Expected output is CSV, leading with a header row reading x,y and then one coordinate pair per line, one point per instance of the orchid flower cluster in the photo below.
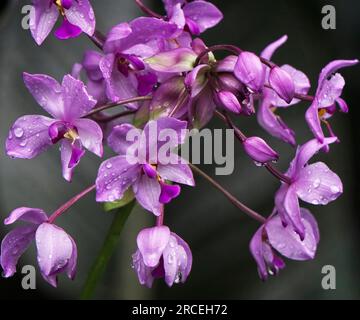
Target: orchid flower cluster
x,y
162,74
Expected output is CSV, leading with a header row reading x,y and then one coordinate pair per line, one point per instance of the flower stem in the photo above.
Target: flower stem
x,y
98,39
251,213
106,251
242,137
70,203
160,219
147,10
115,104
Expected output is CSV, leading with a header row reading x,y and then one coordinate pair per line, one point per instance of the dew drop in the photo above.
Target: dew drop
x,y
18,132
317,183
171,258
23,143
315,202
335,189
109,165
178,277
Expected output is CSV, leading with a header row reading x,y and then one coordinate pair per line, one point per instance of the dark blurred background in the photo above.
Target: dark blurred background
x,y
217,233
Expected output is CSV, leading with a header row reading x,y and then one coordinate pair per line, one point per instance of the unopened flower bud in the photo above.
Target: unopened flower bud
x,y
259,150
229,101
250,71
282,83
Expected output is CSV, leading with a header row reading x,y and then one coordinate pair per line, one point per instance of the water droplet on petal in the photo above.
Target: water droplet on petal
x,y
109,165
315,202
335,189
18,132
317,183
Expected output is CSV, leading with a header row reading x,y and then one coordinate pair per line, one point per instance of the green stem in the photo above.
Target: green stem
x,y
106,251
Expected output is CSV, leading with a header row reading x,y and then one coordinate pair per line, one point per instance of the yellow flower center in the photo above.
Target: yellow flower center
x,y
60,7
72,135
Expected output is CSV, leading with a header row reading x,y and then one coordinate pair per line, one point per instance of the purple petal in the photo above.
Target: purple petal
x,y
67,30
32,215
227,65
150,171
151,243
185,269
147,192
91,61
330,91
196,80
115,176
179,173
117,138
143,272
67,157
143,29
155,132
166,97
47,93
72,264
174,61
28,137
317,184
301,82
204,14
168,192
334,66
250,71
77,101
81,14
202,108
256,249
42,20
66,3
342,105
313,120
282,83
174,257
91,135
177,17
269,51
287,241
118,86
229,101
273,124
115,35
258,150
146,83
54,251
13,246
292,209
308,150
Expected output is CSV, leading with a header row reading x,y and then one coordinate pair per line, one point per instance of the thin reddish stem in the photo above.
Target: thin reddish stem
x,y
70,203
147,10
251,213
115,104
98,39
242,137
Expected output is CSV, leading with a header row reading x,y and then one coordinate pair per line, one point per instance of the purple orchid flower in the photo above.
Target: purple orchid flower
x,y
315,184
271,100
273,238
197,16
161,254
67,103
95,84
145,172
126,45
78,16
328,94
56,250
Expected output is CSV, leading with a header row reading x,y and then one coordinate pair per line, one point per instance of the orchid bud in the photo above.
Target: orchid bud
x,y
229,101
282,83
177,60
259,150
250,71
